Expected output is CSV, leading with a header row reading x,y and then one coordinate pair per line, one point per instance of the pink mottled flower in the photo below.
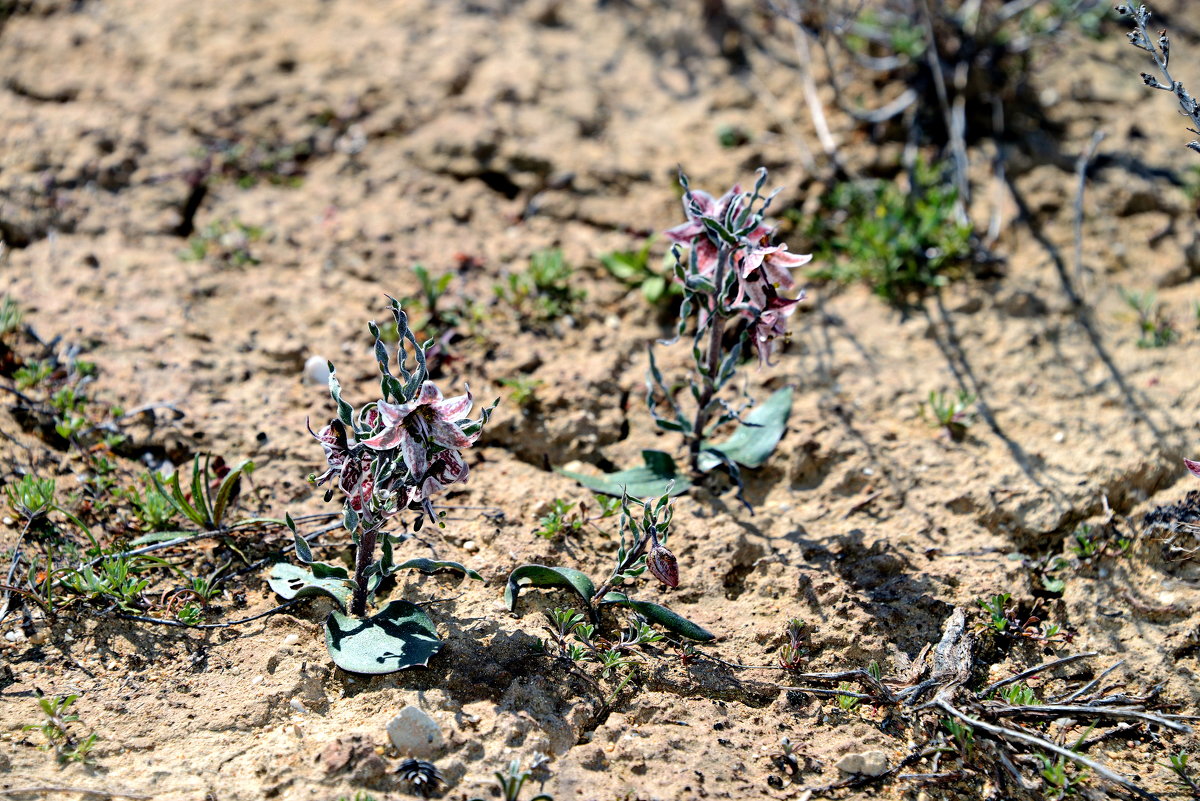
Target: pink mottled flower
x,y
698,205
413,426
776,264
771,321
445,468
1194,467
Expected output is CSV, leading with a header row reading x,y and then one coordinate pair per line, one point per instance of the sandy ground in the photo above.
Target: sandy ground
x,y
464,136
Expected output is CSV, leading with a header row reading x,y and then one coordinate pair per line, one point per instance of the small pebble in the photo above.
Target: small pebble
x,y
868,763
416,734
299,706
471,545
257,680
290,640
12,636
316,370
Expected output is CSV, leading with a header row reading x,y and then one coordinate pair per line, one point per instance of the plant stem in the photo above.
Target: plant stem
x,y
716,333
362,560
631,557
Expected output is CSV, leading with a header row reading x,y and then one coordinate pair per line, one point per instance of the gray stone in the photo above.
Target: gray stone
x,y
868,763
416,734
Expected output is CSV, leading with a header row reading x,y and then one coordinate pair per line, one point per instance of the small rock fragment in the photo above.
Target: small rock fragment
x,y
416,734
868,763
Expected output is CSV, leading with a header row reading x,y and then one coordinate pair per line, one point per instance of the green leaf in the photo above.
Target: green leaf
x,y
400,636
651,479
662,616
429,566
175,496
303,552
200,492
226,488
750,446
345,410
542,576
290,581
159,536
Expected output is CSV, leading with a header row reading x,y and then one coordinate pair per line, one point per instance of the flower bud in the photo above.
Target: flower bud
x,y
1194,467
662,565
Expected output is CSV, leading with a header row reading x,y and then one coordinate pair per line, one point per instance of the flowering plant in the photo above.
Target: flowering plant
x,y
393,454
735,283
647,551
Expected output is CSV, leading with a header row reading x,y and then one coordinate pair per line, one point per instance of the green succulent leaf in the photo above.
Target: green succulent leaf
x,y
751,445
542,576
662,616
651,479
290,581
303,551
429,566
400,636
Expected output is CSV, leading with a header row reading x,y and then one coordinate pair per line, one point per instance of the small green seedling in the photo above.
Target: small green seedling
x,y
1155,329
846,702
1060,781
54,729
953,413
901,241
204,508
1019,694
963,734
31,374
227,242
523,390
543,292
559,520
512,782
31,497
632,268
153,509
10,314
1178,764
794,652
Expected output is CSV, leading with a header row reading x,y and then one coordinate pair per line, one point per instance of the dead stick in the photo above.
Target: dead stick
x,y
1029,739
1066,660
1094,681
1119,713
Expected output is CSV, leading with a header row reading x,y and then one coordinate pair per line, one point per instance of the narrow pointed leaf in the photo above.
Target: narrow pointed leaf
x,y
345,410
200,493
226,489
542,576
400,636
303,552
662,616
651,479
751,445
